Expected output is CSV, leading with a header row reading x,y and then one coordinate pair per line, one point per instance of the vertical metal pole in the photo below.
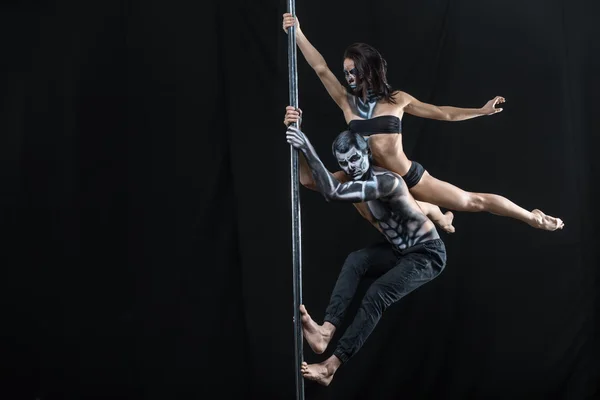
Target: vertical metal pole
x,y
296,231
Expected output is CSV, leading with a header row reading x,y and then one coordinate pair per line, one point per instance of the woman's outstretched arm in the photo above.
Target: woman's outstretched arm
x,y
447,113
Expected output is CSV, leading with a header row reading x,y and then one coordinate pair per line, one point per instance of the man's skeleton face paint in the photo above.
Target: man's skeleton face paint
x,y
350,73
354,162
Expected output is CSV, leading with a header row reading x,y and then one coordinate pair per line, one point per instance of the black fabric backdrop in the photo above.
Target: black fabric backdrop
x,y
146,213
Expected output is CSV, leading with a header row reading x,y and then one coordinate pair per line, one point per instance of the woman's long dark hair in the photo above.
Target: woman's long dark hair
x,y
371,70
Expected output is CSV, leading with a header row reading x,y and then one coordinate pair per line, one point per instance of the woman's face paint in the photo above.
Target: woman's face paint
x,y
350,73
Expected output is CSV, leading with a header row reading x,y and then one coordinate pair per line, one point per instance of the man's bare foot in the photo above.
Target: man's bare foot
x,y
546,222
321,373
317,337
445,223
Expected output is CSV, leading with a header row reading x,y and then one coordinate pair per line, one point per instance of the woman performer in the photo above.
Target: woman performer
x,y
372,109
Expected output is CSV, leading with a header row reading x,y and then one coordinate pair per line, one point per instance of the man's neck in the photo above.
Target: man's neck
x,y
367,175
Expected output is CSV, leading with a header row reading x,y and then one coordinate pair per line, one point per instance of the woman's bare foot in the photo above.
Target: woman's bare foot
x,y
321,373
316,335
433,212
546,222
445,223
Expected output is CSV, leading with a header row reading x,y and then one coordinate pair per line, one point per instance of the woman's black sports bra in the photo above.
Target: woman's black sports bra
x,y
380,124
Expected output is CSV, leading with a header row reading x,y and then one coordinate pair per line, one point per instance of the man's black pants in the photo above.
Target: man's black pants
x,y
399,273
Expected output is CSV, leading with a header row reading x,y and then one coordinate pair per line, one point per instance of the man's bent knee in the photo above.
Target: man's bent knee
x,y
356,259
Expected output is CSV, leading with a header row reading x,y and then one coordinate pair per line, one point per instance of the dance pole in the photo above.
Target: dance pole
x,y
296,237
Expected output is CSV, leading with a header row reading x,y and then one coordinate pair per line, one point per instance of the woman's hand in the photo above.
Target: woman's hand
x,y
292,115
490,106
288,21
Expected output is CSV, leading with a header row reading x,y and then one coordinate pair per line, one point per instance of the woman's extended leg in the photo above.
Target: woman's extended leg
x,y
448,196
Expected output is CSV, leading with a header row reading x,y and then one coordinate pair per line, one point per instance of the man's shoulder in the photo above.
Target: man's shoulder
x,y
381,172
387,177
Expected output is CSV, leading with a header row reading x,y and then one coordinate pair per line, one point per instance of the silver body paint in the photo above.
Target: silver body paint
x,y
400,223
388,200
354,168
361,108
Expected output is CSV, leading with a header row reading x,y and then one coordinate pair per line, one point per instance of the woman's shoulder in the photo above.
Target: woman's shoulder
x,y
398,94
400,97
